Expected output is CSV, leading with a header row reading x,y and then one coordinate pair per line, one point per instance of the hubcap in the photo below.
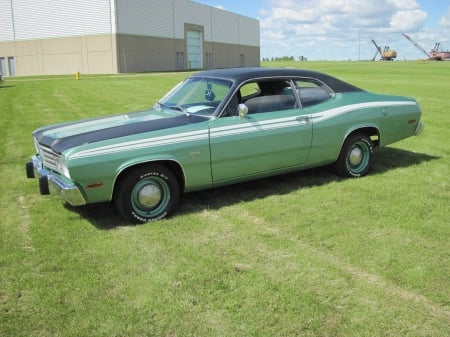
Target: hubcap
x,y
356,156
149,196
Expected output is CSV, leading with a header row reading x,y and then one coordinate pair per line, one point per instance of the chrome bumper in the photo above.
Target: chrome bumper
x,y
419,128
51,183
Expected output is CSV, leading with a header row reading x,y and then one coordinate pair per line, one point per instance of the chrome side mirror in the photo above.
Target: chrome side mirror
x,y
243,110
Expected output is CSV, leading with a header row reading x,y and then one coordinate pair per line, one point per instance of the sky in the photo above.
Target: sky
x,y
343,29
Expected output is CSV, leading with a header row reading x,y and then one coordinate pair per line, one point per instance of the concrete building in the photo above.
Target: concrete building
x,y
118,36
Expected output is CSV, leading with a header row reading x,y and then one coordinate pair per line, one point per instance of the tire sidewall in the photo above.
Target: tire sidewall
x,y
343,165
125,194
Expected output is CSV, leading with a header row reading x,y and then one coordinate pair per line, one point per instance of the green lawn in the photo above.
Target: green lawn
x,y
304,254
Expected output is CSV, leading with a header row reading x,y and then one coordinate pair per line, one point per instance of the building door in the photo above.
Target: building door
x,y
2,66
209,62
12,69
242,60
194,49
180,60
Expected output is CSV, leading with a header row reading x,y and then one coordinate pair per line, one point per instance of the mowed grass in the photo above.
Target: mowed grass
x,y
303,254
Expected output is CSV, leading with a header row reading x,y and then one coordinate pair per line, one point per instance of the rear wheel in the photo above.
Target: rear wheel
x,y
147,193
355,159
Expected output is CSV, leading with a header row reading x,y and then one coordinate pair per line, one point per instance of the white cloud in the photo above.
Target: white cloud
x,y
445,20
323,29
407,20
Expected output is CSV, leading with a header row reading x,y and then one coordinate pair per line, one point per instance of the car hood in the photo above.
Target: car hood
x,y
64,136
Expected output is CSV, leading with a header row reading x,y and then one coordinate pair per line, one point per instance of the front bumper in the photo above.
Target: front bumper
x,y
52,183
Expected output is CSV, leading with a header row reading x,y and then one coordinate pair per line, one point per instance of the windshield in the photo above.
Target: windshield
x,y
196,96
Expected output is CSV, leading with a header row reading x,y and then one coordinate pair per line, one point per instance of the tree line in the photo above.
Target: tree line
x,y
284,58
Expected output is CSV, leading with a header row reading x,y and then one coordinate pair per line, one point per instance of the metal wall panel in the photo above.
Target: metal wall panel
x,y
167,19
145,17
248,31
54,18
191,13
234,29
225,28
6,21
31,19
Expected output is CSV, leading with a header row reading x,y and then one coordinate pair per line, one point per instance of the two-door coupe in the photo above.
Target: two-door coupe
x,y
215,128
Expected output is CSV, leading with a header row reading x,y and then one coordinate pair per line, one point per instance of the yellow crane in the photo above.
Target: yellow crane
x,y
386,55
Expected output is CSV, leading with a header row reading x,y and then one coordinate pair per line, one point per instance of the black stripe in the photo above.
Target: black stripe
x,y
59,145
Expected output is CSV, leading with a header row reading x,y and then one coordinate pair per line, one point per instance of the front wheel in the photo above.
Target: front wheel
x,y
147,193
355,159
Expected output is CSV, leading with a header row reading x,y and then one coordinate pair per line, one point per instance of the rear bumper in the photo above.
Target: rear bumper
x,y
52,183
419,128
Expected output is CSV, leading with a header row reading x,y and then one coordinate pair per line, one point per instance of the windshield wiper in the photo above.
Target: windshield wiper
x,y
180,108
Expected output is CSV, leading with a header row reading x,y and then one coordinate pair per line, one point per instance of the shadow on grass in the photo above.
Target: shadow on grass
x,y
104,216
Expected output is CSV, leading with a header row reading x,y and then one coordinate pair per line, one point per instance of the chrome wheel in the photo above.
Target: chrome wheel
x,y
149,196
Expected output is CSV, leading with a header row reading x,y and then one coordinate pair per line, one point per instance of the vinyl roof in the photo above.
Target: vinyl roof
x,y
244,74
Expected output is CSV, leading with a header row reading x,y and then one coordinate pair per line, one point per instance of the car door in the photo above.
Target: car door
x,y
274,135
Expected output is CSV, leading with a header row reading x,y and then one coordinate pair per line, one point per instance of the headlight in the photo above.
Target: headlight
x,y
62,166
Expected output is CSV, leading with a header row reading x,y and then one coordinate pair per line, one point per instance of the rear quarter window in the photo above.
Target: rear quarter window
x,y
312,92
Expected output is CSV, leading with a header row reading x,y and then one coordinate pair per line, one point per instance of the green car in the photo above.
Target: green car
x,y
216,128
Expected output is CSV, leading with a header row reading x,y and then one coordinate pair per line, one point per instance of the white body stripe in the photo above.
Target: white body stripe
x,y
225,131
324,115
142,143
254,126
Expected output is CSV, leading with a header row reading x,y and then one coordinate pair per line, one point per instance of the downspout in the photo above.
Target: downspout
x,y
12,19
114,22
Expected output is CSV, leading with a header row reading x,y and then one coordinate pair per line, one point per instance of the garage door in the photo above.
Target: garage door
x,y
194,50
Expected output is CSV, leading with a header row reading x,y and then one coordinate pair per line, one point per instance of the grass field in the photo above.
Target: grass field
x,y
304,254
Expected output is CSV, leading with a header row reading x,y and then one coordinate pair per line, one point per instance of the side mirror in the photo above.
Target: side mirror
x,y
243,110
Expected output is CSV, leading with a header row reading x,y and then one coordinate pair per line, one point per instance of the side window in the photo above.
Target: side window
x,y
232,107
268,95
249,90
244,92
312,92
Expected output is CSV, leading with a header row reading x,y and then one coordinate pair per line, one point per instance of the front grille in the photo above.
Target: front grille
x,y
49,157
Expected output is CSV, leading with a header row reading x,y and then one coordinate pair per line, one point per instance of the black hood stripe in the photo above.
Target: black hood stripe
x,y
59,145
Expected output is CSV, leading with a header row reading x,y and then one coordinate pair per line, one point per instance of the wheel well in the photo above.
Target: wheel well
x,y
173,166
371,132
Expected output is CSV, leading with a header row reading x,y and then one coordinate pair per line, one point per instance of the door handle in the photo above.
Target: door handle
x,y
303,119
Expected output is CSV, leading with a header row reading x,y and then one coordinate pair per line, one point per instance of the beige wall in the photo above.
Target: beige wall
x,y
226,55
141,53
87,54
104,54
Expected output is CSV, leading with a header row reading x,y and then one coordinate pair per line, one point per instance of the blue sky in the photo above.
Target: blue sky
x,y
343,29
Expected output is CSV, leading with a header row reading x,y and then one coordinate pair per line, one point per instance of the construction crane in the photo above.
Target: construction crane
x,y
417,45
386,55
436,54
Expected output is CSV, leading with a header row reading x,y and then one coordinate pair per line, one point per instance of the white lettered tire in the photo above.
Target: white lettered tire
x,y
356,156
147,193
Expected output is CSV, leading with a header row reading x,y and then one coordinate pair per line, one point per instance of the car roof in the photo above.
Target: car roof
x,y
239,75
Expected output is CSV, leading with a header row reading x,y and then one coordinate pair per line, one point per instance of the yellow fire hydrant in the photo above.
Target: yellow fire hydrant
x,y
77,75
